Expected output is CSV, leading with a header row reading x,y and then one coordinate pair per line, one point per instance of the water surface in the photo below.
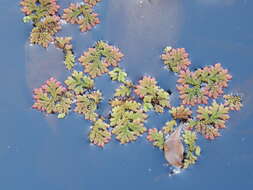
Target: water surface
x,y
40,152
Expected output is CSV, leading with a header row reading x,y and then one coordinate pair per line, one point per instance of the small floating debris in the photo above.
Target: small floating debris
x,y
174,148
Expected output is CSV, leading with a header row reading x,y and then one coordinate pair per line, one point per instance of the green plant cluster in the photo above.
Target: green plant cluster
x,y
127,119
97,59
154,97
193,151
132,100
64,43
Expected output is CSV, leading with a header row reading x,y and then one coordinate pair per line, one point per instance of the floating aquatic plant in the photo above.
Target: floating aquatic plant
x,y
195,87
192,151
87,105
100,134
169,126
156,137
69,60
52,97
82,14
123,90
92,2
153,96
79,83
127,119
181,112
118,74
43,32
37,9
64,43
210,119
97,60
189,86
216,78
175,59
233,102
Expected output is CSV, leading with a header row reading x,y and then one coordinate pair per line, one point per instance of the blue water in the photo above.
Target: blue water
x,y
40,152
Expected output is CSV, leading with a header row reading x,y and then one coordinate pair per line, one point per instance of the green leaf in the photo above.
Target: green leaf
x,y
61,115
156,137
123,91
69,60
197,150
79,83
81,14
127,120
153,96
87,105
52,97
99,134
118,74
97,59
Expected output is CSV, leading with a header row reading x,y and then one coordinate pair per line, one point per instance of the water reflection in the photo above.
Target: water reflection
x,y
152,24
217,2
41,64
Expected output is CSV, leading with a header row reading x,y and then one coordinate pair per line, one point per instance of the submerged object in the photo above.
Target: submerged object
x,y
174,149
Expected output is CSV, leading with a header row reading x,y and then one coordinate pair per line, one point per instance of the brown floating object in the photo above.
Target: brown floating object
x,y
174,149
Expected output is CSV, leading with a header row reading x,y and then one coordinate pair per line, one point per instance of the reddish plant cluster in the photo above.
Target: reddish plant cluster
x,y
195,87
97,59
181,112
81,14
44,31
189,86
216,79
176,59
52,97
210,119
37,9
